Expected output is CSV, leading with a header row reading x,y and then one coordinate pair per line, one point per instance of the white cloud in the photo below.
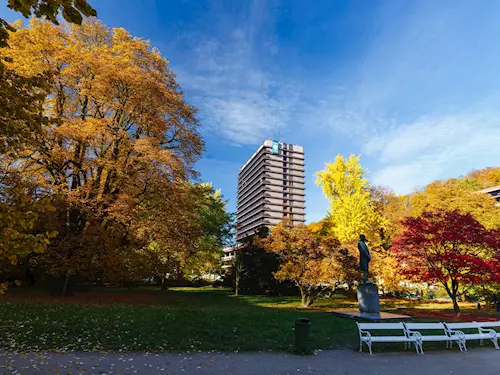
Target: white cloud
x,y
245,119
238,99
402,103
415,154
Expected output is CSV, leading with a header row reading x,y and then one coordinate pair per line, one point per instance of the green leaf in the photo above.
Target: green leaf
x,y
72,15
45,10
22,6
85,8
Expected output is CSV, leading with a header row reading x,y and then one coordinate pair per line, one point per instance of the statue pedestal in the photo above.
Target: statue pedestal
x,y
368,299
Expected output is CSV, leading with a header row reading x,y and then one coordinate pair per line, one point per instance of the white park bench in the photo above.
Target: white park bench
x,y
366,334
440,333
491,325
483,331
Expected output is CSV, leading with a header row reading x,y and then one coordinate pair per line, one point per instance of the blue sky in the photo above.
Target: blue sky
x,y
413,86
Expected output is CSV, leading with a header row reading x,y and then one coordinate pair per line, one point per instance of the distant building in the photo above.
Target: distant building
x,y
270,188
229,254
494,192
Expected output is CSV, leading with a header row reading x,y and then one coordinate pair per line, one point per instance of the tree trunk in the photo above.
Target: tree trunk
x,y
236,287
456,308
453,294
163,285
65,287
306,300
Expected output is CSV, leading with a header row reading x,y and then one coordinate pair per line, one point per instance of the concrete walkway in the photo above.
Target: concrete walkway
x,y
482,361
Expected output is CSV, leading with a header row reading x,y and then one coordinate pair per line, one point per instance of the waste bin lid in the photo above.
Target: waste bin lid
x,y
302,321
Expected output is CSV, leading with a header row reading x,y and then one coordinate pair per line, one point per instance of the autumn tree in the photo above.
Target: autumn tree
x,y
352,210
482,178
384,265
355,208
21,120
119,145
20,208
345,263
304,259
450,248
453,195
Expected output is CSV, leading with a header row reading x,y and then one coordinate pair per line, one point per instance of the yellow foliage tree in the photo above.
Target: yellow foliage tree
x,y
118,148
352,210
452,195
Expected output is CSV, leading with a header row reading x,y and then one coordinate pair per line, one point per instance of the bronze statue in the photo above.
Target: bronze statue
x,y
364,257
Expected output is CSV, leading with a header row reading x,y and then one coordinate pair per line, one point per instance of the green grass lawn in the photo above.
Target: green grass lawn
x,y
182,319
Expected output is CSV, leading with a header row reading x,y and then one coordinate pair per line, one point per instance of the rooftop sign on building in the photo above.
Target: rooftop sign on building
x,y
275,149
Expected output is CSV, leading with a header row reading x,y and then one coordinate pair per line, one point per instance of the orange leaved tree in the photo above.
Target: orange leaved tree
x,y
118,147
305,259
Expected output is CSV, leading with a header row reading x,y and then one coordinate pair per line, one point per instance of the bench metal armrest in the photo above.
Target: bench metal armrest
x,y
414,335
456,334
487,331
364,334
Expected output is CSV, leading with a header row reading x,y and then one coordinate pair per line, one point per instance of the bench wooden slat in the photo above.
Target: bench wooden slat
x,y
489,324
418,326
380,326
463,325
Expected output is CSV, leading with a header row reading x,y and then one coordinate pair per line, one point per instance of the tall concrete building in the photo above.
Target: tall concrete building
x,y
270,188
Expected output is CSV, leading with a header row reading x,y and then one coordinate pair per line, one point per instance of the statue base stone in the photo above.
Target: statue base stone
x,y
368,299
369,307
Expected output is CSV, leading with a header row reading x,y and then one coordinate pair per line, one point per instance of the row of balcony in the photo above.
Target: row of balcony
x,y
270,197
250,211
265,165
266,192
274,183
269,213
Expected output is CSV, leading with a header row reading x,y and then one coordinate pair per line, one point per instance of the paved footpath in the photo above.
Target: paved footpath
x,y
482,361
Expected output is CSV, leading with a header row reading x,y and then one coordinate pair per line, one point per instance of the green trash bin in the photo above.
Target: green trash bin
x,y
302,332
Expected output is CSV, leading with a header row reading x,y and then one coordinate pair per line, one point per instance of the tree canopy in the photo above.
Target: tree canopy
x,y
450,248
454,195
305,259
352,210
114,153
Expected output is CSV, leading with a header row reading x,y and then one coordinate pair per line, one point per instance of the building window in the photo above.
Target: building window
x,y
284,182
284,152
285,188
284,176
285,201
285,195
284,164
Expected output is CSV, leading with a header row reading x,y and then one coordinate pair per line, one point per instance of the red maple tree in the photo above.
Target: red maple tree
x,y
450,248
